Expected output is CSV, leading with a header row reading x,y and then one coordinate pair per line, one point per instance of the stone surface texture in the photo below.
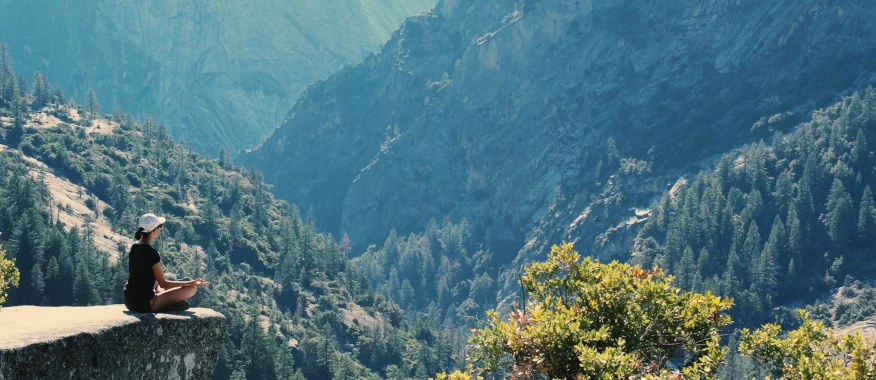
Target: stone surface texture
x,y
108,342
216,72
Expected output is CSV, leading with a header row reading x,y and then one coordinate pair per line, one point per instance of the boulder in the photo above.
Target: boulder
x,y
108,342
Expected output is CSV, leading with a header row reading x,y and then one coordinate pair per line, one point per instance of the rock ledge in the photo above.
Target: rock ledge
x,y
108,342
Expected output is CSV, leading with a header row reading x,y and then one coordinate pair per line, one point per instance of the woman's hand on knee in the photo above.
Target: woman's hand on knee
x,y
198,282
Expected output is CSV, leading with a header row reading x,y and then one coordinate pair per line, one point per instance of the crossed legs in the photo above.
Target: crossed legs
x,y
171,296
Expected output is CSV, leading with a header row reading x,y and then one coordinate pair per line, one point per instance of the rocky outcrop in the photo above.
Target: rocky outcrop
x,y
108,342
215,72
487,109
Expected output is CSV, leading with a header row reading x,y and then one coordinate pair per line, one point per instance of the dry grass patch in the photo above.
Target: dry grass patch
x,y
355,315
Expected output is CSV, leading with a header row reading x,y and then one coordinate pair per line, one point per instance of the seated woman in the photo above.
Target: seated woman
x,y
147,291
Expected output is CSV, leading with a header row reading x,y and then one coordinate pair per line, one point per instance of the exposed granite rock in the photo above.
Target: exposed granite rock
x,y
482,108
108,342
217,72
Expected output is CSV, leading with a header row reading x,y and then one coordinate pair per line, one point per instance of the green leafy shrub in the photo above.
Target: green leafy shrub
x,y
590,320
810,352
8,275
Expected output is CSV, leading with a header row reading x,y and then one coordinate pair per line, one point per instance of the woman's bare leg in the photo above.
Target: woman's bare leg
x,y
171,296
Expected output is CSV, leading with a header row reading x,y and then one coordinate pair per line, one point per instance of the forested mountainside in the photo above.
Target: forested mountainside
x,y
218,73
777,225
72,183
726,142
770,225
501,112
442,272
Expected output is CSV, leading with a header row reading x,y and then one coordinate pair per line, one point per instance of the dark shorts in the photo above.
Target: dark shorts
x,y
138,304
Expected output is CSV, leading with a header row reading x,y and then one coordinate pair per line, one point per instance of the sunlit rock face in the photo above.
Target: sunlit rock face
x,y
483,109
215,72
108,342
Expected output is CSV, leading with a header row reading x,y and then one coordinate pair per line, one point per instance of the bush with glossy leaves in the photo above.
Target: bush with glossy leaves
x,y
585,319
811,352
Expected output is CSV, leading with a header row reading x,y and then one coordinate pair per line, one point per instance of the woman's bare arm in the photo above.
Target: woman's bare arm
x,y
165,283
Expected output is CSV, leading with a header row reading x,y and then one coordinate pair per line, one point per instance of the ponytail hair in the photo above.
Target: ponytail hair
x,y
139,234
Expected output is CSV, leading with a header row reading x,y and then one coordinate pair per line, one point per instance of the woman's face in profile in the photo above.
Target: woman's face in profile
x,y
158,230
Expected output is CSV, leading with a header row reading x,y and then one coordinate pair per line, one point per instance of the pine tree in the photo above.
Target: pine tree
x,y
777,241
37,286
67,276
332,257
290,254
5,59
22,89
704,263
91,104
309,257
753,207
791,279
674,245
784,192
258,348
224,157
427,272
859,150
778,143
284,364
390,251
236,240
612,154
61,97
16,133
120,198
53,282
839,217
482,289
795,235
84,293
867,217
598,173
406,294
7,75
26,249
868,114
765,279
805,201
346,245
751,248
685,269
755,164
40,93
211,214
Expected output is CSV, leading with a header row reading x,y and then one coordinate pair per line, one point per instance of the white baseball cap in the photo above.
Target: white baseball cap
x,y
150,221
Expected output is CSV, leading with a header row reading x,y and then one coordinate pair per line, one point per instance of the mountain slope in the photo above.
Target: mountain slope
x,y
500,111
72,185
217,73
771,225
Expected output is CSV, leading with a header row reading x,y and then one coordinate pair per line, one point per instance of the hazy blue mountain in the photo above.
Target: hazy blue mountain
x,y
500,111
215,72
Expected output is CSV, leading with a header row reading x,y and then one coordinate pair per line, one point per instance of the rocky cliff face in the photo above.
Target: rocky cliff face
x,y
491,110
216,73
108,342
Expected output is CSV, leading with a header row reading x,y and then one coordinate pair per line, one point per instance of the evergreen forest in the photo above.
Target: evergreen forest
x,y
295,305
753,265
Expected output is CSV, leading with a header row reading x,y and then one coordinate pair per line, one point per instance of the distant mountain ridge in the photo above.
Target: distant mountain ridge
x,y
500,111
217,73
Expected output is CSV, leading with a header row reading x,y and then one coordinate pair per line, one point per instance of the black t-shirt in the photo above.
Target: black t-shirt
x,y
141,279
